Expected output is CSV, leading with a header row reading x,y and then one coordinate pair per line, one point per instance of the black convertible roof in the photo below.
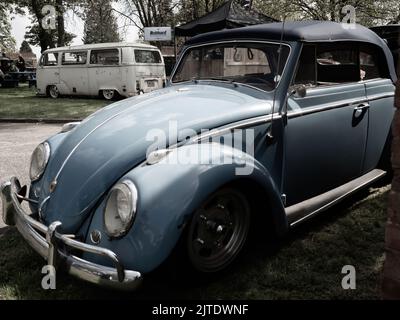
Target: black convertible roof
x,y
304,31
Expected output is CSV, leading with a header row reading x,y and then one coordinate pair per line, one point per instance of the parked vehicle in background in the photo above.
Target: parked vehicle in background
x,y
391,33
106,69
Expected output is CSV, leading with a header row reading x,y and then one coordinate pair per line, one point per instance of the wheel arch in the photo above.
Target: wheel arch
x,y
181,189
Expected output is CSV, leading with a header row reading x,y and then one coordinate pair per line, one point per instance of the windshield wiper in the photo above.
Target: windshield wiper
x,y
231,81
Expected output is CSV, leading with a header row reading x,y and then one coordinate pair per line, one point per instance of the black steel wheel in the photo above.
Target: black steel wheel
x,y
218,230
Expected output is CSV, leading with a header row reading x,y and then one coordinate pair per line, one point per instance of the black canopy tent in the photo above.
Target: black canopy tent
x,y
228,16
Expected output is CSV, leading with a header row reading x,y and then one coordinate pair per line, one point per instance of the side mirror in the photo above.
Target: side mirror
x,y
299,91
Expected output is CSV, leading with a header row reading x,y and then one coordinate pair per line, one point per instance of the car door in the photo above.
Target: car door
x,y
380,94
105,70
48,72
326,132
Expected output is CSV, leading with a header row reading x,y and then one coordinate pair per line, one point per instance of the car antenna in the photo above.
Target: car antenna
x,y
276,79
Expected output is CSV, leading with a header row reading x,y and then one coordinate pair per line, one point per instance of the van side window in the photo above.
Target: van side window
x,y
147,56
107,57
372,63
73,58
49,59
337,63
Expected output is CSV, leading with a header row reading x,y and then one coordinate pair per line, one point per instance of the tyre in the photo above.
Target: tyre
x,y
218,231
53,92
108,94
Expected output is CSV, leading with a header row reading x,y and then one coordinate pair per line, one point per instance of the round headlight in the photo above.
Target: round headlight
x,y
120,208
39,159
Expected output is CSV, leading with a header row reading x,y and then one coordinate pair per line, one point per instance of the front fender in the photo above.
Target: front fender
x,y
169,192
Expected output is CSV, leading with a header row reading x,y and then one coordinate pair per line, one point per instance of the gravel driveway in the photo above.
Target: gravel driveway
x,y
17,142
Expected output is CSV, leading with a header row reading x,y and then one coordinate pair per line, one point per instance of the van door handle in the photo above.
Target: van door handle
x,y
56,73
359,110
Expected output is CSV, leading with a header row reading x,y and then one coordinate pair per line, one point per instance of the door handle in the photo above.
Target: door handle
x,y
359,110
56,73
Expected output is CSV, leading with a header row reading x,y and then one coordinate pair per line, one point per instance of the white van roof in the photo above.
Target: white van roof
x,y
109,45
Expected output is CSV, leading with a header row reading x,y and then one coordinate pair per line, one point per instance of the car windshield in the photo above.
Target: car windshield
x,y
254,64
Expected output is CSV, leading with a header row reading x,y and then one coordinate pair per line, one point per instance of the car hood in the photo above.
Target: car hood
x,y
108,144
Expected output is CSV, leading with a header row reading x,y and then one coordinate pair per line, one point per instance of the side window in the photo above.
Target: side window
x,y
147,56
337,63
106,57
306,69
74,58
372,63
49,59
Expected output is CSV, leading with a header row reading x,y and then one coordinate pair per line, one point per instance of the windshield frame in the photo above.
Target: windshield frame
x,y
183,54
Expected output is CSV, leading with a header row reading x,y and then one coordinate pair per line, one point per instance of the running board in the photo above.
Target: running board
x,y
303,211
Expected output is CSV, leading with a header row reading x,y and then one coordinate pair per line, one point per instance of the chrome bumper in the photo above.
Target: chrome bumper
x,y
51,245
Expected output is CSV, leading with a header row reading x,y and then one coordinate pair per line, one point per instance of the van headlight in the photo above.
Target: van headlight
x,y
39,159
120,208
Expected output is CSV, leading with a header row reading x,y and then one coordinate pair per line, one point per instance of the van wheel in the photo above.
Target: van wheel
x,y
53,92
218,231
108,94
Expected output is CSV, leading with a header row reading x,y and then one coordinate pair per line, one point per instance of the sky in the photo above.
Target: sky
x,y
73,24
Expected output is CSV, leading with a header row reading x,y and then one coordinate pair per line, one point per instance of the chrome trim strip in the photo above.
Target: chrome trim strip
x,y
336,105
178,63
325,107
236,125
380,96
306,209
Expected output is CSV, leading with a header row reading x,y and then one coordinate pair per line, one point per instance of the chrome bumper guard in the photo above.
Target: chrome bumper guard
x,y
48,246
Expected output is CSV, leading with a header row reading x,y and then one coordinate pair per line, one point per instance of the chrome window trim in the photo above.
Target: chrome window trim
x,y
231,41
336,105
248,123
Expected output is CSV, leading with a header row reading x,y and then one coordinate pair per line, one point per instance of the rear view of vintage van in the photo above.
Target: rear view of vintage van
x,y
107,69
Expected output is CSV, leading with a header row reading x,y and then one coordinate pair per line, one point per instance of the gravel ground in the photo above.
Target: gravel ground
x,y
17,142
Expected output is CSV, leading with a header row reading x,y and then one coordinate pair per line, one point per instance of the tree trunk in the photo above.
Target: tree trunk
x,y
44,37
60,23
391,272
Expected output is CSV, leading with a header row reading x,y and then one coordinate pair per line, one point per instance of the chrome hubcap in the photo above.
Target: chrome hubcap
x,y
53,91
108,94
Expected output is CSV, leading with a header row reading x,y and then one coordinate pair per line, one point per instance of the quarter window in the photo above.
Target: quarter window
x,y
74,58
372,63
105,57
147,56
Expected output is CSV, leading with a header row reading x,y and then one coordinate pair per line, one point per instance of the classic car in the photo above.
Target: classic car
x,y
261,126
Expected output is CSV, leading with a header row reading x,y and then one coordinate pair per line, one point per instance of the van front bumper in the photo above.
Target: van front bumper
x,y
54,246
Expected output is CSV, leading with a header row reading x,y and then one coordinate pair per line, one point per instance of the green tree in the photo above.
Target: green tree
x,y
7,41
25,47
100,22
368,12
36,34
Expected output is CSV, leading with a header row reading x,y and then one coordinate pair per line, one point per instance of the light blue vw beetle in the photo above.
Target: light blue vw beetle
x,y
260,125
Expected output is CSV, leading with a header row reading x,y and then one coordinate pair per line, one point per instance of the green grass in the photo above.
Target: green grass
x,y
22,102
305,265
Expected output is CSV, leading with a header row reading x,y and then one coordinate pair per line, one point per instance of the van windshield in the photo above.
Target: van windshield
x,y
254,64
147,56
